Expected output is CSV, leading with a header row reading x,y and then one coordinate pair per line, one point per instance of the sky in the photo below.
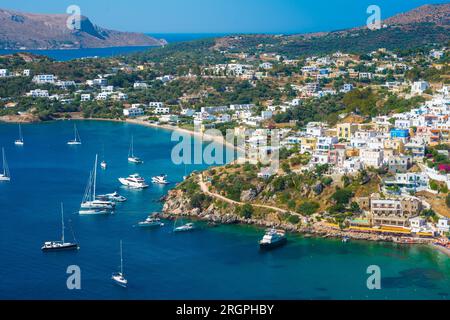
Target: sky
x,y
222,16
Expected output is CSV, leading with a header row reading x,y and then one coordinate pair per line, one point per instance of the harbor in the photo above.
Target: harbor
x,y
175,264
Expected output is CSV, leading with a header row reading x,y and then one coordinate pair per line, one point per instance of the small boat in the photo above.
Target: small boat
x,y
115,197
273,239
19,142
134,181
161,179
131,157
151,222
119,277
90,204
5,176
77,140
103,165
185,228
60,245
345,239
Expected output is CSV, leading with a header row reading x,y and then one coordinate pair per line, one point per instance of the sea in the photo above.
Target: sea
x,y
210,263
71,54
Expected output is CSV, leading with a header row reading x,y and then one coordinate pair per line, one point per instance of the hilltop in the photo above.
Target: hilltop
x,y
49,31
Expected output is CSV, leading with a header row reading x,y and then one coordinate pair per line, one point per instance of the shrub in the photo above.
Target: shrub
x,y
293,219
246,211
342,196
308,208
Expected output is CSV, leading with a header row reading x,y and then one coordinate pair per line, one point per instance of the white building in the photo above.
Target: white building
x,y
133,112
38,93
371,158
444,225
156,104
44,78
140,85
161,110
419,87
85,97
266,115
3,73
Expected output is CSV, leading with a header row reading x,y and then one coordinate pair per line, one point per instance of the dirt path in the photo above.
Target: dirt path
x,y
206,191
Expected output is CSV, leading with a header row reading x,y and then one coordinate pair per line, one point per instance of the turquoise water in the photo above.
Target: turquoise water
x,y
211,263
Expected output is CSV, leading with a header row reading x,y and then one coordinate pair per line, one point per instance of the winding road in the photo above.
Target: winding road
x,y
206,191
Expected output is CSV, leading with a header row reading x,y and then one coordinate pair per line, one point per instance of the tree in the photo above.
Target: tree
x,y
308,208
447,200
246,211
342,196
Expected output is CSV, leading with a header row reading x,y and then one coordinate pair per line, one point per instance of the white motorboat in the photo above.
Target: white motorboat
x,y
90,202
151,222
5,176
161,179
134,181
77,140
131,157
119,277
185,228
103,165
19,142
60,245
115,197
272,239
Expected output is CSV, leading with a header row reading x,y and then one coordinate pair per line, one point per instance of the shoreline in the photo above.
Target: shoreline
x,y
76,117
311,231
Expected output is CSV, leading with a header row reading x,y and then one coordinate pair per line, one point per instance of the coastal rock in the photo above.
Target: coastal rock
x,y
248,195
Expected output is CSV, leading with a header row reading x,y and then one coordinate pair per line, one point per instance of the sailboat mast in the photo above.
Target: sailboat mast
x,y
132,146
121,258
20,133
3,157
62,221
95,177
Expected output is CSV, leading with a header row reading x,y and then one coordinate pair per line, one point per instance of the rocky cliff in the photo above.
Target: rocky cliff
x,y
49,31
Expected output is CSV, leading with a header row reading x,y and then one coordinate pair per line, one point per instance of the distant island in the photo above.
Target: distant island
x,y
49,31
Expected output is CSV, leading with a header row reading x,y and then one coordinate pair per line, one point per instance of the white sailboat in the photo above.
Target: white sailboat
x,y
131,157
104,164
90,204
60,245
119,277
77,140
19,142
5,176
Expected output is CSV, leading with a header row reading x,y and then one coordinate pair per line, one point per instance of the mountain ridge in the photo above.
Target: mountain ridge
x,y
20,30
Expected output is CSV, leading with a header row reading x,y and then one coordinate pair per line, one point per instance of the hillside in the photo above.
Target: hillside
x,y
418,27
49,31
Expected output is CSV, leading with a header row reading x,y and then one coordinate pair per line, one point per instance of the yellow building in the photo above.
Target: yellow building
x,y
394,144
346,130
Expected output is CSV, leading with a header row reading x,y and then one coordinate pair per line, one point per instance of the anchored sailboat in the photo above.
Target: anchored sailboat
x,y
60,245
131,157
5,176
91,205
119,277
19,142
77,139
